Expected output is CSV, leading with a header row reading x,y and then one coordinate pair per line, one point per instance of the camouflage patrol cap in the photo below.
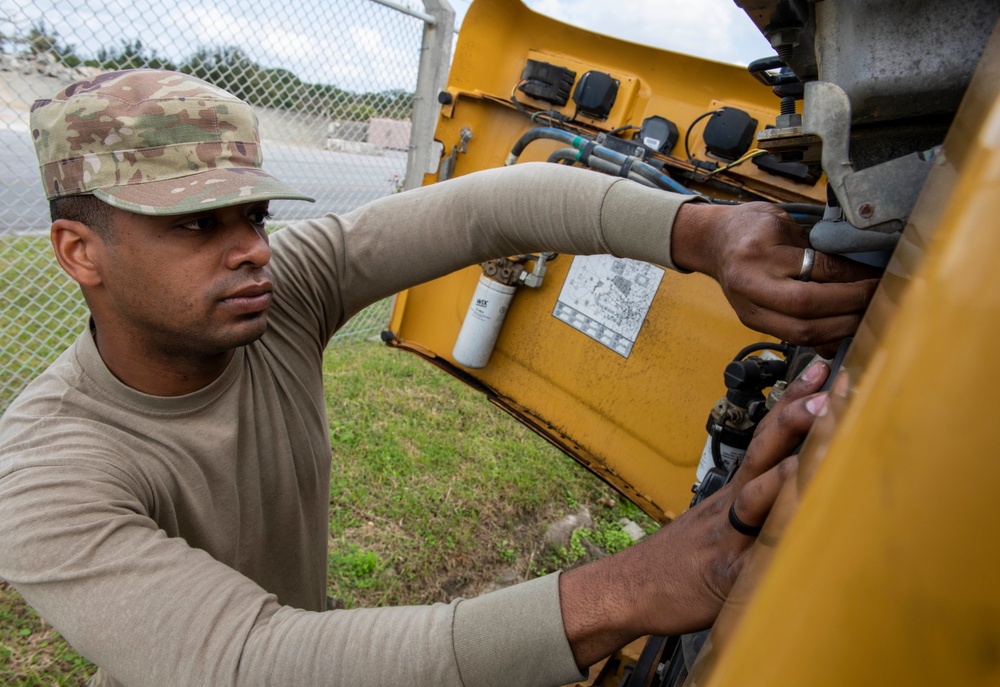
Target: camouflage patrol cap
x,y
152,142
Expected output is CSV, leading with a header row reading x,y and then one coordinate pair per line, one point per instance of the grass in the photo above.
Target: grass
x,y
41,311
31,652
435,494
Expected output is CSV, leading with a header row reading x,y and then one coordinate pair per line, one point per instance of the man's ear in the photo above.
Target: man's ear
x,y
79,250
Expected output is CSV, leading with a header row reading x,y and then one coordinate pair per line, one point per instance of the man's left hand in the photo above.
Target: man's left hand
x,y
755,251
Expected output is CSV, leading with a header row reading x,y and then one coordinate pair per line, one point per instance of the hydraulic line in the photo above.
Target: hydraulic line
x,y
599,164
571,154
574,140
803,208
642,169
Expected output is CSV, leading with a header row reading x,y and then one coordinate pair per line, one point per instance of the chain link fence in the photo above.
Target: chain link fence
x,y
333,83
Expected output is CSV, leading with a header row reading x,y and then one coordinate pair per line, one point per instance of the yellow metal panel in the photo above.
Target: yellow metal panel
x,y
638,422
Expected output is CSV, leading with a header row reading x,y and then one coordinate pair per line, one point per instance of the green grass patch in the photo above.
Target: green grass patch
x,y
445,490
31,652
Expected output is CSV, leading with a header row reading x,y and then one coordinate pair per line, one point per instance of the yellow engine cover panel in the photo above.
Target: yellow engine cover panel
x,y
638,421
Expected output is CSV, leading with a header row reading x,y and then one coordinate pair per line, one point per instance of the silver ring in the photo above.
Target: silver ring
x,y
808,260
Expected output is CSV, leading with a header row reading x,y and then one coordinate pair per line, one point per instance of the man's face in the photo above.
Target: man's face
x,y
187,285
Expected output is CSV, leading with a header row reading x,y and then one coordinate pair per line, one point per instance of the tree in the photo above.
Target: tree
x,y
41,40
131,55
231,68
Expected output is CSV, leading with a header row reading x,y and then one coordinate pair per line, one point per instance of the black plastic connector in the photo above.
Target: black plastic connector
x,y
595,94
729,133
797,171
658,134
753,374
548,82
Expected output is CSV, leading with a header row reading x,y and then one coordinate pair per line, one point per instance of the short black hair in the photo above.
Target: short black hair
x,y
86,209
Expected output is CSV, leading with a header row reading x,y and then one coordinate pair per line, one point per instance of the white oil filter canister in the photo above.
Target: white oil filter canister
x,y
481,326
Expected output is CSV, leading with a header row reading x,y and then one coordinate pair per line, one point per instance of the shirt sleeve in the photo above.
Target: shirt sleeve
x,y
339,265
151,610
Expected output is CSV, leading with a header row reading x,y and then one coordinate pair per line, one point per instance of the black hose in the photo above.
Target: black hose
x,y
717,447
645,170
803,208
640,171
564,154
753,348
687,134
608,167
542,132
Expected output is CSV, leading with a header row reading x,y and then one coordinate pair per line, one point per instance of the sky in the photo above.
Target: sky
x,y
360,45
714,29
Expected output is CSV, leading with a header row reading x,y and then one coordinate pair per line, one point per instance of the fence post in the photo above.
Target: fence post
x,y
432,76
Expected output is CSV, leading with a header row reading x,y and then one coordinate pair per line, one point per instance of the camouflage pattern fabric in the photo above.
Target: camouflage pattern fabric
x,y
152,142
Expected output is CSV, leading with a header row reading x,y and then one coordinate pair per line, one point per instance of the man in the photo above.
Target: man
x,y
164,485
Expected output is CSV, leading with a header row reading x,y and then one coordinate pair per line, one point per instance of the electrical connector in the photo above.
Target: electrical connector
x,y
548,82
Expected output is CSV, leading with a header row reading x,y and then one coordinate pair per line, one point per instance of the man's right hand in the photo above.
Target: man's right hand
x,y
676,580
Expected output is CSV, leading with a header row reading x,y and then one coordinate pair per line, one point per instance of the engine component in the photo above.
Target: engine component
x,y
620,145
447,168
797,171
595,94
481,326
879,197
588,150
735,416
488,308
729,133
548,82
658,134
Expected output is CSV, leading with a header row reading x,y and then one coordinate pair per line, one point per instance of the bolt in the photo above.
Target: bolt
x,y
866,210
787,36
788,105
786,121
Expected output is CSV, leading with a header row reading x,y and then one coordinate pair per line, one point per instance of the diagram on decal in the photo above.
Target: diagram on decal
x,y
607,298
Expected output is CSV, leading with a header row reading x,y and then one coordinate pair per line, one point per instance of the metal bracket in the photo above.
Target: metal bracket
x,y
535,277
448,164
878,198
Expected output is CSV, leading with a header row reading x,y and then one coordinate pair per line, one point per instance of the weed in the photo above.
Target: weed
x,y
508,554
355,567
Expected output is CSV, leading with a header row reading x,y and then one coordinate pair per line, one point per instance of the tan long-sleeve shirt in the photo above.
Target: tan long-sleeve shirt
x,y
183,540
